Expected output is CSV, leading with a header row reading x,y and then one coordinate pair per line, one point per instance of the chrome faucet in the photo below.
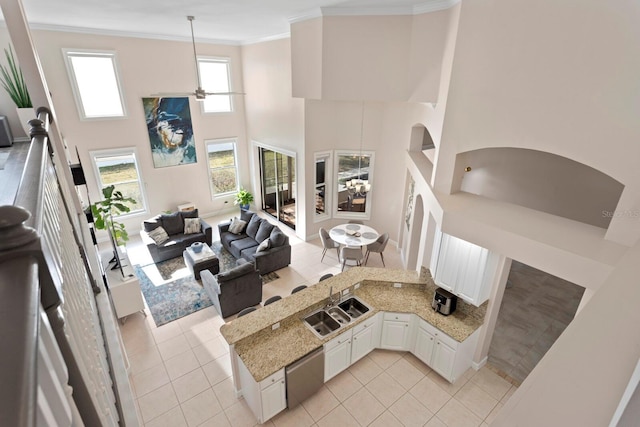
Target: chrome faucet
x,y
331,300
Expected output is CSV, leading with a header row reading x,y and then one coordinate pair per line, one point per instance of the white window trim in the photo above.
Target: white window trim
x,y
366,215
66,53
328,185
227,61
234,141
124,151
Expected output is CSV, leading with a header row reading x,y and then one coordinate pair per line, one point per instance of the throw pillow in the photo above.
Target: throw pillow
x,y
237,225
159,235
263,231
252,227
277,238
151,224
189,214
246,216
263,246
172,223
192,225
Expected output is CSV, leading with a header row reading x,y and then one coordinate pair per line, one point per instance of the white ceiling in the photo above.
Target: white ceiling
x,y
227,21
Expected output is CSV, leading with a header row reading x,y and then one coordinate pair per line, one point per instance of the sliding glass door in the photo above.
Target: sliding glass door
x,y
277,178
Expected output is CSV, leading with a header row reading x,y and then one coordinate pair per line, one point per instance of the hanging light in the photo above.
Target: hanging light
x,y
359,186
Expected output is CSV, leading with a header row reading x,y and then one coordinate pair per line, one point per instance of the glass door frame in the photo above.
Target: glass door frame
x,y
278,203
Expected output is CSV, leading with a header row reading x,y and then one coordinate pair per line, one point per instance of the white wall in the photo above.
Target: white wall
x,y
556,77
274,117
146,67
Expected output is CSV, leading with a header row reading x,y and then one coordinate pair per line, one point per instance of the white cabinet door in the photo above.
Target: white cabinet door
x,y
394,335
471,280
424,346
362,343
443,359
274,399
337,356
448,263
461,269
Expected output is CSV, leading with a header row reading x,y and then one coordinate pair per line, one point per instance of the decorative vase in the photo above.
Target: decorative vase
x,y
24,115
244,207
196,247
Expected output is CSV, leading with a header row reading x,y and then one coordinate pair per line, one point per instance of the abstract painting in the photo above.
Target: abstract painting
x,y
170,131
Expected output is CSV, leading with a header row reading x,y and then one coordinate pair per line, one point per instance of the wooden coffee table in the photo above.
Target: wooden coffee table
x,y
206,259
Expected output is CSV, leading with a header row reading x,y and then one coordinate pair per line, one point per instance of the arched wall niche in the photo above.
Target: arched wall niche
x,y
542,181
421,140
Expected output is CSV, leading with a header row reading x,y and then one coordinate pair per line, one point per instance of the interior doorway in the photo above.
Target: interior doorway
x,y
536,308
278,185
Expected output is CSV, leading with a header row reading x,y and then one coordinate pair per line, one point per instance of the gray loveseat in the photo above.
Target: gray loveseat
x,y
173,224
244,244
233,290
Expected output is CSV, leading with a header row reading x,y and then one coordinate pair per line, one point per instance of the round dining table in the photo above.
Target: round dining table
x,y
353,234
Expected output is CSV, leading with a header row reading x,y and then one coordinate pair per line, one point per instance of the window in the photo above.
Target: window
x,y
354,172
223,166
323,186
120,168
95,83
214,77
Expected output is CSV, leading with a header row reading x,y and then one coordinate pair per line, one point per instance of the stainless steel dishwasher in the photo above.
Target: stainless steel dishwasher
x,y
304,377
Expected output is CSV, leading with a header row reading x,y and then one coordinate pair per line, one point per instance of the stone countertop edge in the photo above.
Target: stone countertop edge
x,y
265,351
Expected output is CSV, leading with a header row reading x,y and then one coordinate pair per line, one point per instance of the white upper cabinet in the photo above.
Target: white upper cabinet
x,y
463,268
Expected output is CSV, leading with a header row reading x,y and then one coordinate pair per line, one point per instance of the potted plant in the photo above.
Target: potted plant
x,y
114,203
244,199
13,82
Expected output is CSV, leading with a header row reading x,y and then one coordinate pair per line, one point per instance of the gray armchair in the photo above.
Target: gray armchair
x,y
233,290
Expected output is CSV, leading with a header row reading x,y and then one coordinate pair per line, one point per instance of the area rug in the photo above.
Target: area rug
x,y
170,290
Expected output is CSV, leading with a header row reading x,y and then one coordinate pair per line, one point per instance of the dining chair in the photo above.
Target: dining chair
x,y
351,253
328,243
246,311
298,289
325,277
377,246
272,300
355,221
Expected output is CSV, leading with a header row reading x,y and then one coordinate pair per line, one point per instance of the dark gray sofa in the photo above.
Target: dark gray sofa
x,y
245,243
178,241
233,290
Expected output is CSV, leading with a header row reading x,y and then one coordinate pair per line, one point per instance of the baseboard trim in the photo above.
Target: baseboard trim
x,y
477,366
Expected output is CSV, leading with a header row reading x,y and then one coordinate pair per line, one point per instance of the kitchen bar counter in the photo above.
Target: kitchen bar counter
x,y
265,351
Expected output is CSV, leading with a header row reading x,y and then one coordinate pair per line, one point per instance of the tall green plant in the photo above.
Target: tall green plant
x,y
114,203
13,81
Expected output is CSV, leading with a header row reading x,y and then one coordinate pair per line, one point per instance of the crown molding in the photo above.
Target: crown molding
x,y
434,6
266,39
429,6
117,33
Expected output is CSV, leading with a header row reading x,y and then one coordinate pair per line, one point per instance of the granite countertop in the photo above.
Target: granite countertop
x,y
265,351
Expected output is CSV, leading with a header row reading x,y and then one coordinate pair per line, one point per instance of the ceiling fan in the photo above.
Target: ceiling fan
x,y
199,93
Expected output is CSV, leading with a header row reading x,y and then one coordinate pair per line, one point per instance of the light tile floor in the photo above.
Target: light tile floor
x,y
181,375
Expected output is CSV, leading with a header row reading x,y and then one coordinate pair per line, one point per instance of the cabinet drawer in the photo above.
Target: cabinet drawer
x,y
272,379
369,323
340,339
400,317
437,333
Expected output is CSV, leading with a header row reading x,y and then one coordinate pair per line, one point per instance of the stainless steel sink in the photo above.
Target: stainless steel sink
x,y
337,313
321,323
354,307
330,318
